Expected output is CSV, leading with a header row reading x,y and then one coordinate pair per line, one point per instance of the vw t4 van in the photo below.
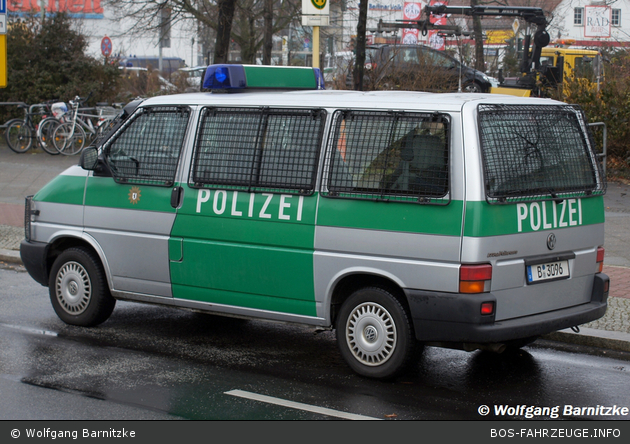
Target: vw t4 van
x,y
398,219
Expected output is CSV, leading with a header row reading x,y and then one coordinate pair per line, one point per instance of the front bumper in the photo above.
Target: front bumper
x,y
448,317
33,256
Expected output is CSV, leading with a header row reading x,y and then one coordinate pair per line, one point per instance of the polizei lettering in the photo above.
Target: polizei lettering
x,y
547,215
251,205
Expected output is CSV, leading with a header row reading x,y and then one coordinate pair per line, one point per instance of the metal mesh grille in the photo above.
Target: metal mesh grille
x,y
147,149
536,152
258,149
389,156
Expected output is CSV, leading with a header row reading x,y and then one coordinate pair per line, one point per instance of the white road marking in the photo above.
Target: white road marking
x,y
299,406
30,330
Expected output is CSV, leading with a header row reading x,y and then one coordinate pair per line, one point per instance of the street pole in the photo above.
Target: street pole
x,y
315,46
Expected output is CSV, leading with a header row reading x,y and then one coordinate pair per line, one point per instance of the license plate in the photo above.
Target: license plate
x,y
547,272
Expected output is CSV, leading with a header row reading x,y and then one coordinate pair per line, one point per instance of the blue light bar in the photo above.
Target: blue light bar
x,y
225,77
238,77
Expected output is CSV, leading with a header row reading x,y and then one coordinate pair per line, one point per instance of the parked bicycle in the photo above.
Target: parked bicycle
x,y
20,133
70,137
46,126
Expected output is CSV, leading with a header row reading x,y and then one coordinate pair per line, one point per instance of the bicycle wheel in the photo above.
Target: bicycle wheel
x,y
45,133
67,141
19,136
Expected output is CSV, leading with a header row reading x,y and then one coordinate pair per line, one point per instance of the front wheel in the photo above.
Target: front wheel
x,y
78,288
375,334
18,135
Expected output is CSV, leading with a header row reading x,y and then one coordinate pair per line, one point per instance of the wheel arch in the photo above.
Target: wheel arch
x,y
352,280
63,241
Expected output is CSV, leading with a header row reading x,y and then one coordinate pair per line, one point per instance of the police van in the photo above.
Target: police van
x,y
398,219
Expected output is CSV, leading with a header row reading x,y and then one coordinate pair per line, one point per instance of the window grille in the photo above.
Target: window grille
x,y
616,17
537,153
258,149
147,149
389,156
578,16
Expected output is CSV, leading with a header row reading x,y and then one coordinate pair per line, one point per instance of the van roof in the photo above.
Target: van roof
x,y
341,99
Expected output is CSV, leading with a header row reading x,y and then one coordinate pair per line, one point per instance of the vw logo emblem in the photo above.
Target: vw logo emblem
x,y
551,241
370,333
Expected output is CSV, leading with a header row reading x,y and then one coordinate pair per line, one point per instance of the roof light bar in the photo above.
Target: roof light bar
x,y
225,77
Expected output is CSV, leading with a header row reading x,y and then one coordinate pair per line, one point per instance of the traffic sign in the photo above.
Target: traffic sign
x,y
106,46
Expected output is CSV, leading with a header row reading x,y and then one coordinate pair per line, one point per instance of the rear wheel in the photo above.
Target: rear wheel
x,y
69,138
18,135
375,334
45,133
78,288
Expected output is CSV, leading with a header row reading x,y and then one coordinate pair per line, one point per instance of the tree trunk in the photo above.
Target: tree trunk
x,y
224,30
268,34
480,63
359,64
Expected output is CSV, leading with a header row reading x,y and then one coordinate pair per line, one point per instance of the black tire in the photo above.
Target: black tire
x,y
45,133
78,288
375,334
18,135
472,87
68,138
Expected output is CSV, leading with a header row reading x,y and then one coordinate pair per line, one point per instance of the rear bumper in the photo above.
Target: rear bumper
x,y
448,317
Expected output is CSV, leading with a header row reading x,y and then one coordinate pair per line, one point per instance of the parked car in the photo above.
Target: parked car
x,y
419,67
193,77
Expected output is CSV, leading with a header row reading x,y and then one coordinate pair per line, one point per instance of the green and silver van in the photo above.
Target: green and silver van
x,y
398,219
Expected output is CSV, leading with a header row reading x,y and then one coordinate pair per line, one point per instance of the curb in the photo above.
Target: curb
x,y
10,256
592,337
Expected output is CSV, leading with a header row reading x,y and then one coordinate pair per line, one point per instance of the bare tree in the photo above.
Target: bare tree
x,y
231,19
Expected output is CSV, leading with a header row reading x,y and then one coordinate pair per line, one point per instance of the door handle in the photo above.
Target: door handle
x,y
176,196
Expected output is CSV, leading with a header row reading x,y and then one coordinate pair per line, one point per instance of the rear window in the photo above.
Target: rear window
x,y
537,153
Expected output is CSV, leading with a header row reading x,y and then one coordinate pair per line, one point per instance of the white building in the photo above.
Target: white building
x,y
96,19
592,23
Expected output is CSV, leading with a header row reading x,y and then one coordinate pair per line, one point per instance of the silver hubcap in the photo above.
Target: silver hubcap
x,y
73,288
371,334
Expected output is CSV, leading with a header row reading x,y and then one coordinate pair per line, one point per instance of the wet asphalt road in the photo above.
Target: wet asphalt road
x,y
150,362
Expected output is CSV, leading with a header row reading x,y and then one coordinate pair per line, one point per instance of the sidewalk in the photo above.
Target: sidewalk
x,y
23,174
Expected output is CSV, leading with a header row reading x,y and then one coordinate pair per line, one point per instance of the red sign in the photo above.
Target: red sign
x,y
69,6
411,11
106,46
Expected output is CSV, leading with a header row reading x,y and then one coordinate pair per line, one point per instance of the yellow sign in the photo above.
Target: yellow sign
x,y
3,60
319,4
498,36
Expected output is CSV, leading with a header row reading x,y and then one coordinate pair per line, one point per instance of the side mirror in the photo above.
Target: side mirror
x,y
89,158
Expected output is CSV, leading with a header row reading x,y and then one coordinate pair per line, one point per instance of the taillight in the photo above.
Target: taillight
x,y
475,278
487,308
600,259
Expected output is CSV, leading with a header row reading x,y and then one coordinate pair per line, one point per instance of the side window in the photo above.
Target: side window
x,y
147,148
389,156
258,149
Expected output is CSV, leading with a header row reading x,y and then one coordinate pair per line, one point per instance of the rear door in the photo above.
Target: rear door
x,y
536,210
